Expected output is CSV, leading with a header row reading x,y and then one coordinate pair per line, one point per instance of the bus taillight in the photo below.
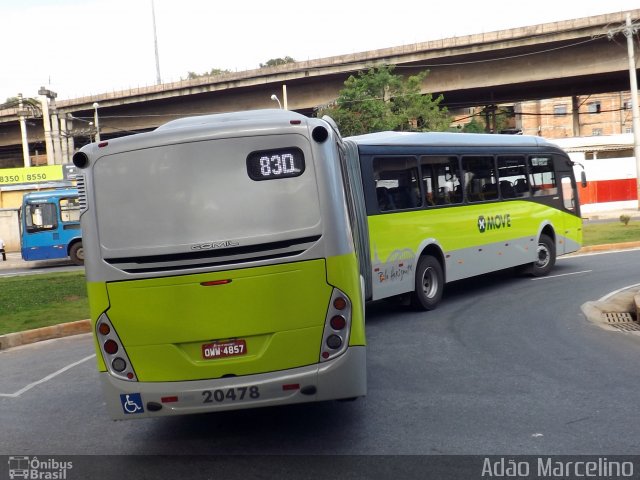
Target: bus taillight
x,y
340,303
338,322
335,338
113,352
111,347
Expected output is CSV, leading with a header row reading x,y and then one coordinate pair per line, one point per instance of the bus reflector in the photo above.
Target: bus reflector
x,y
103,144
169,399
291,386
215,282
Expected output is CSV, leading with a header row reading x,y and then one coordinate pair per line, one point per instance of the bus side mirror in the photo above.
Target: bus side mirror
x,y
583,179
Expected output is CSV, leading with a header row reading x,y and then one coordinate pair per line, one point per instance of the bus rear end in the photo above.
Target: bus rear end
x,y
220,265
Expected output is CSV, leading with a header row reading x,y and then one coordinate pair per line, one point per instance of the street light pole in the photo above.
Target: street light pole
x,y
275,98
45,96
23,131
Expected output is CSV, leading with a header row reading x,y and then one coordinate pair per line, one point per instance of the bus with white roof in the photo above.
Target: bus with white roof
x,y
229,257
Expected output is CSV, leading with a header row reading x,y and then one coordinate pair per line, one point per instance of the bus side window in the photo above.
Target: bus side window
x,y
385,202
480,179
568,194
397,186
512,171
70,209
542,176
441,180
41,217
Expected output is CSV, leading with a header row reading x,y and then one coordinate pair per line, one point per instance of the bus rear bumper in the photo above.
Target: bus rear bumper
x,y
343,377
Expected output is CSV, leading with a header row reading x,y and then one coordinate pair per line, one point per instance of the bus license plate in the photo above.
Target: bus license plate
x,y
231,348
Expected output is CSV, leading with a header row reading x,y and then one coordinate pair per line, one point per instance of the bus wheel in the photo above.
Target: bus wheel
x,y
77,253
429,284
546,257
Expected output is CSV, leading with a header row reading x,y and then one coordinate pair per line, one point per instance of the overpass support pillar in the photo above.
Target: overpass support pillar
x,y
575,114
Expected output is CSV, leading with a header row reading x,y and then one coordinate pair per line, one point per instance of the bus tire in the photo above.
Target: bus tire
x,y
429,284
76,253
545,257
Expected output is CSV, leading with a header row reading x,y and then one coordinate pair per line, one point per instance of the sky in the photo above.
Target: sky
x,y
89,47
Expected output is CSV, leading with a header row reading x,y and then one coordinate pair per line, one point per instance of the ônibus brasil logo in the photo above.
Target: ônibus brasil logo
x,y
494,222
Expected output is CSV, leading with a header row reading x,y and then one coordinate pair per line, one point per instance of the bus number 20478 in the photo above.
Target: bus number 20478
x,y
230,394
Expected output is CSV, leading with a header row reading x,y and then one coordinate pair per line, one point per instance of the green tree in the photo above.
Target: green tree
x,y
277,61
378,100
474,126
479,123
211,73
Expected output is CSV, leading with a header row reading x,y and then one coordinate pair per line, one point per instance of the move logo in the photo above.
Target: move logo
x,y
494,222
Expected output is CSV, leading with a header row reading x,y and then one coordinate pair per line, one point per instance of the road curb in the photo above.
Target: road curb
x,y
10,340
625,301
608,247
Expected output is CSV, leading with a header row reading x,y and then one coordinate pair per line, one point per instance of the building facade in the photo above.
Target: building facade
x,y
578,116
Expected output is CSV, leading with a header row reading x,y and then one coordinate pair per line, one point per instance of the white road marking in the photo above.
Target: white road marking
x,y
562,275
47,378
608,295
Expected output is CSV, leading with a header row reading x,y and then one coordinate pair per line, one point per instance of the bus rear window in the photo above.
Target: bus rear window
x,y
174,196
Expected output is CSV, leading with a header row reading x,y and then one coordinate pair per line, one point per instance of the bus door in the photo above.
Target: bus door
x,y
568,192
40,238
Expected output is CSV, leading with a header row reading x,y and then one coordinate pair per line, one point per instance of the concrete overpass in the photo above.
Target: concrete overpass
x,y
574,57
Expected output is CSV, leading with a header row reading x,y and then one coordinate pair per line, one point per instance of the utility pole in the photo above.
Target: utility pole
x,y
629,29
628,32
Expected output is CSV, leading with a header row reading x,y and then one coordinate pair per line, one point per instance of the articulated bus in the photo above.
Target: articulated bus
x,y
50,226
229,257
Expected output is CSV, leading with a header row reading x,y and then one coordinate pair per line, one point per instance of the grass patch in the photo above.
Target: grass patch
x,y
610,232
32,301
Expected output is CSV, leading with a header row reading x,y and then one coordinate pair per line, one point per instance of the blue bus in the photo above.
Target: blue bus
x,y
50,226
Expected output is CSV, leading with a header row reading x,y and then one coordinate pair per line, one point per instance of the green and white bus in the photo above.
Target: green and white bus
x,y
221,267
229,257
442,207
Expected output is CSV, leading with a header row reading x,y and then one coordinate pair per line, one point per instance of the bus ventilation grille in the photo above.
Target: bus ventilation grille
x,y
82,192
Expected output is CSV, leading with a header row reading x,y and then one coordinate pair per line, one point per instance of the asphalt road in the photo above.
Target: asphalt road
x,y
506,365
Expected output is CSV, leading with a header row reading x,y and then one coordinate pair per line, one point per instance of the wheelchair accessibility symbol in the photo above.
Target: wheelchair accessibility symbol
x,y
131,403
